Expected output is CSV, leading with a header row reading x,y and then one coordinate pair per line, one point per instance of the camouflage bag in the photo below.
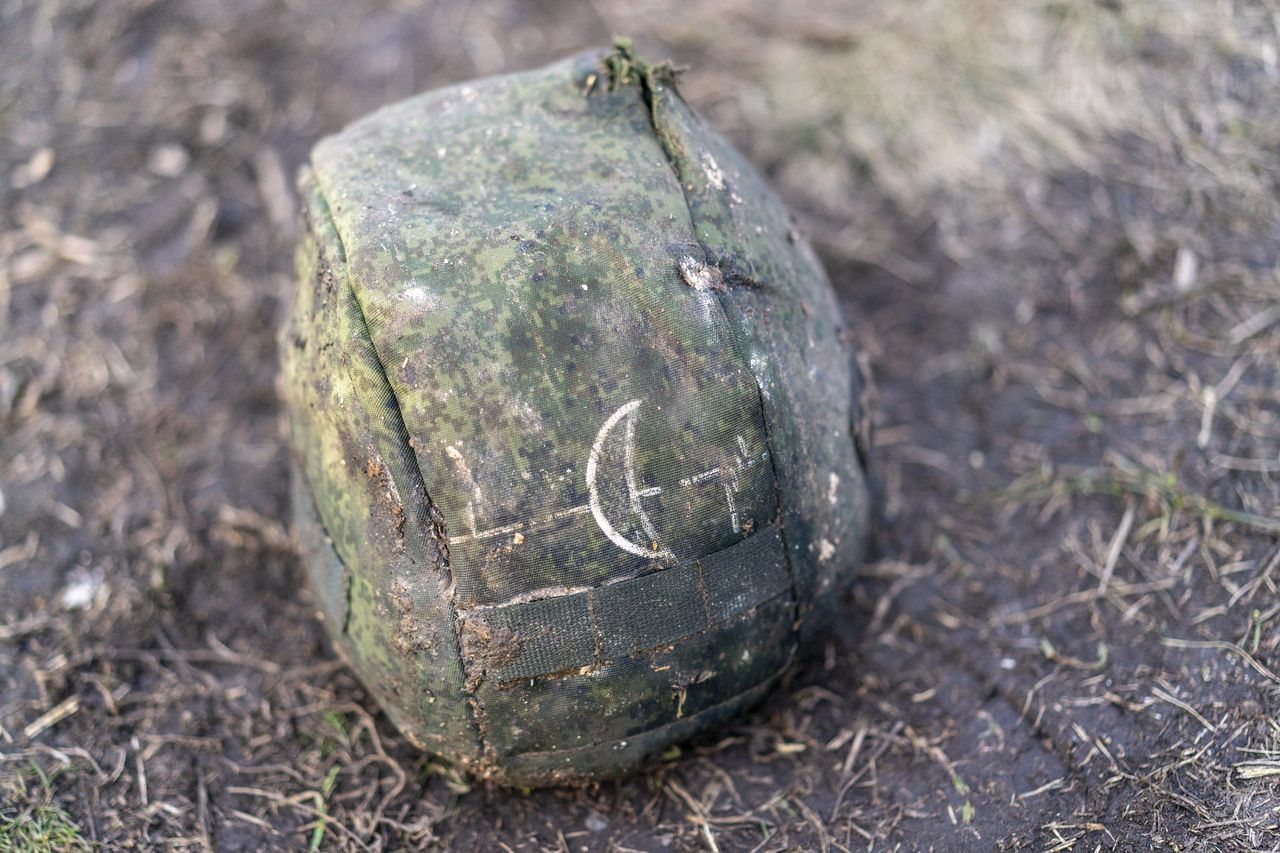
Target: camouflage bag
x,y
577,461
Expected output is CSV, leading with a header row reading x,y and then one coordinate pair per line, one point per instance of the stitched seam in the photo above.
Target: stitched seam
x,y
649,98
313,512
475,711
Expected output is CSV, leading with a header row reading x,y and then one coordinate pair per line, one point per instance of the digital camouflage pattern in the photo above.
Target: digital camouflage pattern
x,y
575,418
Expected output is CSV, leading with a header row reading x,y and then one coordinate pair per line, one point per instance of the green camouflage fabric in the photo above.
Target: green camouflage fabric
x,y
578,464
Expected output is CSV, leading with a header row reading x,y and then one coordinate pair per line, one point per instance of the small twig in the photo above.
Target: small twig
x,y
53,716
1117,544
1255,324
1167,696
885,742
698,813
292,802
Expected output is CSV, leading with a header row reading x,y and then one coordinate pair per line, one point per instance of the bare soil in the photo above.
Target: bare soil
x,y
1066,637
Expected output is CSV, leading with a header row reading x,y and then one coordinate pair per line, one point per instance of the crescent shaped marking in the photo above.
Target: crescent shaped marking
x,y
627,410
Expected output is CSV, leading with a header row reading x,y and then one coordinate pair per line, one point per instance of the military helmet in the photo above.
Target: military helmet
x,y
575,420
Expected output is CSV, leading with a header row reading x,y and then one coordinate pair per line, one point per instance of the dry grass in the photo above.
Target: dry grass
x,y
944,94
1056,229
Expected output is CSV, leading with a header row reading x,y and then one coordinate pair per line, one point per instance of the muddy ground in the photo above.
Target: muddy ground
x,y
1067,635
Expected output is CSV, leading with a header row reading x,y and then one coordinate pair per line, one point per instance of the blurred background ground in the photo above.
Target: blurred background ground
x,y
1055,227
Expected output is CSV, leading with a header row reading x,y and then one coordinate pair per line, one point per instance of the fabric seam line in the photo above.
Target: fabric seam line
x,y
474,706
649,99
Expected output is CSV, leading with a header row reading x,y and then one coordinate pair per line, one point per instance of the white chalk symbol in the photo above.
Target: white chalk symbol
x,y
654,548
727,477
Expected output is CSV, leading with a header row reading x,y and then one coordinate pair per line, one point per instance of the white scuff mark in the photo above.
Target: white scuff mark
x,y
833,489
696,479
712,170
465,470
760,370
742,445
520,526
419,295
712,312
826,550
530,417
733,509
